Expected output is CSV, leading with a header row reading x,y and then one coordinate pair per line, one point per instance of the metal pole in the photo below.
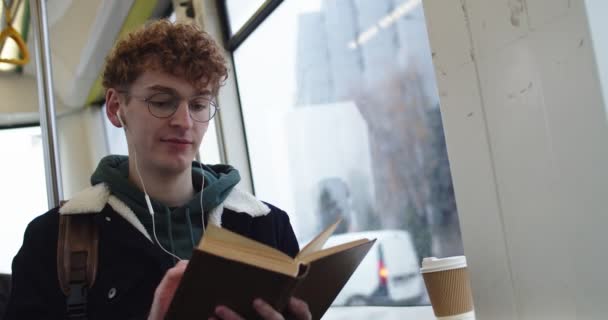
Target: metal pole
x,y
44,79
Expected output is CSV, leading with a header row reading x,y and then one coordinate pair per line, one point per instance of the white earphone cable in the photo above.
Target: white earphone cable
x,y
201,197
149,202
151,209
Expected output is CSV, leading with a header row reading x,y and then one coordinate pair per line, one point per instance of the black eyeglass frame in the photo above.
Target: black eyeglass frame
x,y
214,109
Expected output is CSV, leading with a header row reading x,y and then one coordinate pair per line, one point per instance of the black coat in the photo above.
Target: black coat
x,y
130,266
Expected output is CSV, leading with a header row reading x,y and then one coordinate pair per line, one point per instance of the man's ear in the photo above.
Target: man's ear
x,y
113,104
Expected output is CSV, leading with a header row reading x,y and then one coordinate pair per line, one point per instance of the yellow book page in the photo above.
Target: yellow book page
x,y
250,258
329,251
246,250
319,241
230,239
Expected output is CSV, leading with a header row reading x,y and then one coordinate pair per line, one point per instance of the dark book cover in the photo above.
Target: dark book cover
x,y
211,280
327,276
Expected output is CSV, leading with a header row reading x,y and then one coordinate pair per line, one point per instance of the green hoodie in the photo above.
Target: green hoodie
x,y
178,229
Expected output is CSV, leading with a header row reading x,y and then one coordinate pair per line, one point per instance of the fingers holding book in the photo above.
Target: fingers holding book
x,y
225,313
298,309
247,269
166,290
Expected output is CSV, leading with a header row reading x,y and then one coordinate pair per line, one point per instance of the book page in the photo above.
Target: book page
x,y
319,241
232,246
329,251
250,258
226,238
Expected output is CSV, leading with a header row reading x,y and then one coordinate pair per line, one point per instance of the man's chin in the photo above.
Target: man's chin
x,y
175,164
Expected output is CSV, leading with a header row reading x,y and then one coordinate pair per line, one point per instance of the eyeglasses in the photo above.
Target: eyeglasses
x,y
164,105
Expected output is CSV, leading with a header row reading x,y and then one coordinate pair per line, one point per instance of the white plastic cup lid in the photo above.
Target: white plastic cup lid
x,y
433,264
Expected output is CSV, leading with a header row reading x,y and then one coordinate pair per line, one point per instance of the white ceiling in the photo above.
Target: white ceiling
x,y
81,33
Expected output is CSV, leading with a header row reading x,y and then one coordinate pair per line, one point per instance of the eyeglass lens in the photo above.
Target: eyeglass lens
x,y
163,105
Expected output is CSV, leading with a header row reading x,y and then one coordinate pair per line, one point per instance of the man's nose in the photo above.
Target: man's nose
x,y
181,117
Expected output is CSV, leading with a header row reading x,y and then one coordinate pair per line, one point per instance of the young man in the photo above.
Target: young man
x,y
149,208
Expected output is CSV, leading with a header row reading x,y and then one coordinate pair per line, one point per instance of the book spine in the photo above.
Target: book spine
x,y
287,292
291,287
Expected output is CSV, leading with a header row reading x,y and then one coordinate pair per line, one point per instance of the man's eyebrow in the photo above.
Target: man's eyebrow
x,y
204,92
166,89
162,89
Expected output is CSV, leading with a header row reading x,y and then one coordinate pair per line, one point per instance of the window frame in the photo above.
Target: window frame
x,y
232,40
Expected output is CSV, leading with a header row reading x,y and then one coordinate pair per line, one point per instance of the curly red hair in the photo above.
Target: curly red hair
x,y
182,50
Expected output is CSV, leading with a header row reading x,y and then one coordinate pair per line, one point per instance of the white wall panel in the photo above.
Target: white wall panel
x,y
534,195
470,159
449,34
526,177
495,23
580,133
539,12
474,183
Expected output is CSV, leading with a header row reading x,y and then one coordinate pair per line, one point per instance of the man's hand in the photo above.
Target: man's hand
x,y
166,290
297,308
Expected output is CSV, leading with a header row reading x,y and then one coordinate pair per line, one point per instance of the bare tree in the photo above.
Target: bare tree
x,y
411,171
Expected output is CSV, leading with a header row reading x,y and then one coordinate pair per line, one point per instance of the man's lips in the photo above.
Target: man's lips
x,y
177,140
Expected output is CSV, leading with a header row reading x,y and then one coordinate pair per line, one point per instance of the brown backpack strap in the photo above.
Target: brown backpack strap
x,y
77,244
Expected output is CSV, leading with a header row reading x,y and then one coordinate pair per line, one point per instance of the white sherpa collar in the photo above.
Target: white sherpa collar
x,y
93,199
89,200
238,201
241,201
123,210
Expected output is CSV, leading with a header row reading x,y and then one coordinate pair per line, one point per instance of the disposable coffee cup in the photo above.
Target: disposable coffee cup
x,y
447,283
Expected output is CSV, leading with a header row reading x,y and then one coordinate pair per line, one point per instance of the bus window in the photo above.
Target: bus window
x,y
342,119
23,188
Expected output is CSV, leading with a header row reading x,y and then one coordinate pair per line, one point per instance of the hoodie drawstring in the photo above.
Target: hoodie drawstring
x,y
169,229
190,226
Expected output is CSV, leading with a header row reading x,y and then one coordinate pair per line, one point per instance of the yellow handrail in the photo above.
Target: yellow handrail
x,y
10,32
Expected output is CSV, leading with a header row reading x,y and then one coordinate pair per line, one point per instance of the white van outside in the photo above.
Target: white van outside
x,y
389,274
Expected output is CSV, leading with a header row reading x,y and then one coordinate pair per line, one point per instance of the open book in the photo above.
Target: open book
x,y
232,270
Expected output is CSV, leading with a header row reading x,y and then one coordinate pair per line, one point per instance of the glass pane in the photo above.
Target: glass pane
x,y
117,142
210,148
342,119
23,187
239,11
